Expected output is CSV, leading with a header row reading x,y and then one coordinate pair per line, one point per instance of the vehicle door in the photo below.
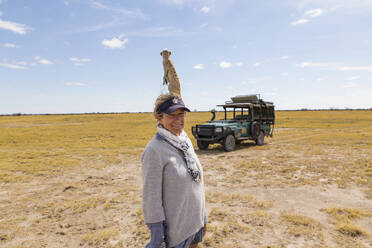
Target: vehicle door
x,y
244,123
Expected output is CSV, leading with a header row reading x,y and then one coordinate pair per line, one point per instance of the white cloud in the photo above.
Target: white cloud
x,y
24,63
1,13
12,66
10,45
257,64
110,24
80,60
122,11
249,81
350,85
76,84
226,64
301,21
43,61
355,68
115,42
203,25
205,9
314,13
176,2
334,66
118,15
353,78
21,63
17,28
198,67
284,57
314,64
350,6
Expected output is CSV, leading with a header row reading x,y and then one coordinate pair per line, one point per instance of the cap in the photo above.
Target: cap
x,y
171,105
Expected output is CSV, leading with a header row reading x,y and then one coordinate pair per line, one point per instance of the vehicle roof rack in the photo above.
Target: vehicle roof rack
x,y
242,101
246,98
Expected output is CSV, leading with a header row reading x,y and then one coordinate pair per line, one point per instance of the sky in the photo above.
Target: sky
x,y
79,56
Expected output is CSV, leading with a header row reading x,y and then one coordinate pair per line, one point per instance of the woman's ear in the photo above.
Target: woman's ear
x,y
159,118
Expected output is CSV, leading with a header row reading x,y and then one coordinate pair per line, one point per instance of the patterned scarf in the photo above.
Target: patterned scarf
x,y
183,143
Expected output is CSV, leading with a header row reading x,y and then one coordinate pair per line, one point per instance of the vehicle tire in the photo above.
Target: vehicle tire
x,y
228,143
260,139
203,145
255,129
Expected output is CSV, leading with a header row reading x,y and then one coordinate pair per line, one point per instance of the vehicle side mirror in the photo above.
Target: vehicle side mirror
x,y
213,112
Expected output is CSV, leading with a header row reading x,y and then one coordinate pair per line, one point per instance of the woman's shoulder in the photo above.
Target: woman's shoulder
x,y
155,149
154,144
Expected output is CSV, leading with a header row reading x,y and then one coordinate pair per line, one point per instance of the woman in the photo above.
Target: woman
x,y
173,184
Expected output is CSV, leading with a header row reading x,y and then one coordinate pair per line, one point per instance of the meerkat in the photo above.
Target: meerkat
x,y
170,77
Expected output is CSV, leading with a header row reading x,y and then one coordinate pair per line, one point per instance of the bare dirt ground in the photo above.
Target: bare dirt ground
x,y
278,195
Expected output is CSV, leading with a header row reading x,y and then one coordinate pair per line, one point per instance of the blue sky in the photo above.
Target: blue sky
x,y
73,56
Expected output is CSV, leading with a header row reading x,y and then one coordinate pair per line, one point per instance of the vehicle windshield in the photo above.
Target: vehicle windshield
x,y
237,114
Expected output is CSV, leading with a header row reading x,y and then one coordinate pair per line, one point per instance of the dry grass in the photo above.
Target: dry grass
x,y
343,219
351,230
100,237
48,145
299,225
74,181
347,213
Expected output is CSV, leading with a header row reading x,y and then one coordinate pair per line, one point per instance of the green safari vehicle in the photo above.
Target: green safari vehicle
x,y
253,119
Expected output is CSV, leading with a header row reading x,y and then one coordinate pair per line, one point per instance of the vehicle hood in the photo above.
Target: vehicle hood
x,y
220,123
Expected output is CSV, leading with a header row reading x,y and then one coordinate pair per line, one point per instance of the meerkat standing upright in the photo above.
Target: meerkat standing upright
x,y
170,77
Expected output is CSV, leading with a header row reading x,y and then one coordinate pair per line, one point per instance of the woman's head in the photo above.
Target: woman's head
x,y
170,112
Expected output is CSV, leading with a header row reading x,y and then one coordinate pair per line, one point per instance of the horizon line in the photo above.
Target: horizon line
x,y
146,112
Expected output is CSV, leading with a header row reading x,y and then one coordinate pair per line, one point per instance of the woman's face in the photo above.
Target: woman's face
x,y
174,122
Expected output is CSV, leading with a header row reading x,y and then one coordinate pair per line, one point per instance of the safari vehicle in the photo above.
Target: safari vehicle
x,y
253,119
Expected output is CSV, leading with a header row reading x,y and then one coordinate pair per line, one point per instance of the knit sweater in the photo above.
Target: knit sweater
x,y
169,193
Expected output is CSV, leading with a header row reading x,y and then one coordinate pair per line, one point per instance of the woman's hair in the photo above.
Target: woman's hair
x,y
162,98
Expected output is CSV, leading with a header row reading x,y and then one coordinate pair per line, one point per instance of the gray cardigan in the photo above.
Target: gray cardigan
x,y
169,193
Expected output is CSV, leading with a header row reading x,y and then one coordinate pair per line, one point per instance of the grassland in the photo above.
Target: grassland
x,y
74,181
